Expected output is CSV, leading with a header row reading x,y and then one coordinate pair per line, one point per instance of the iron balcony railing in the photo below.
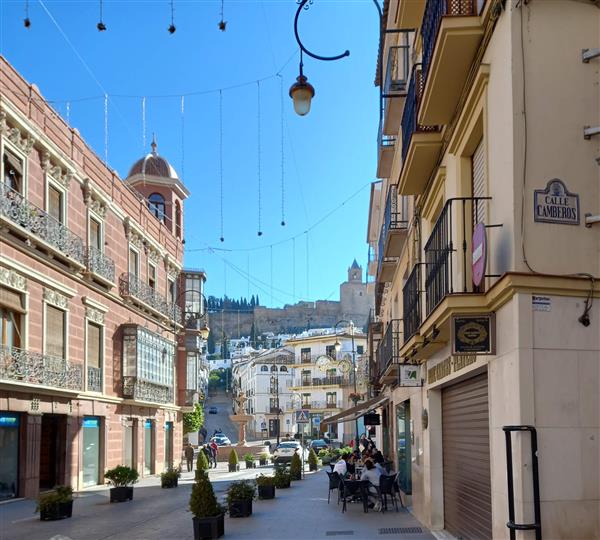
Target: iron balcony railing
x,y
411,302
389,346
275,410
397,70
20,366
445,249
18,210
394,219
94,379
131,286
432,18
411,111
141,390
281,359
322,381
100,264
383,140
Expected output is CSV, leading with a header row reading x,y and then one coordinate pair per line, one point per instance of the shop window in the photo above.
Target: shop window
x,y
149,447
13,171
9,450
91,451
55,332
11,313
156,205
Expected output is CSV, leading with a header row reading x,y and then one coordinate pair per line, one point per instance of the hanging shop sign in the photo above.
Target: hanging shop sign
x,y
556,204
372,419
479,254
474,334
409,375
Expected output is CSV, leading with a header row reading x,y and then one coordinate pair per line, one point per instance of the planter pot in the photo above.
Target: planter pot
x,y
121,494
262,462
284,485
266,492
240,509
56,511
312,467
209,528
296,476
249,464
170,484
233,468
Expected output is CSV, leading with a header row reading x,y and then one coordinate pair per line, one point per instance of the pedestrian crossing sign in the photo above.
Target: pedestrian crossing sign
x,y
302,417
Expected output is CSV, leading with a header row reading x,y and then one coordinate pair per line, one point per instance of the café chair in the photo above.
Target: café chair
x,y
334,483
387,487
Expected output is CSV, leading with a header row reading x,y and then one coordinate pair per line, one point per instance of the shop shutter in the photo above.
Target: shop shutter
x,y
55,332
94,334
466,458
478,164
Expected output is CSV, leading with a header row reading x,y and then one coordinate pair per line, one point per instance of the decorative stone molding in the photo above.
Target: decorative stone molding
x,y
94,315
22,142
98,207
55,298
11,279
153,255
172,269
92,200
59,174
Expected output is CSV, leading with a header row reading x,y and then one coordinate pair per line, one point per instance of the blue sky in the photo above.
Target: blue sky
x,y
328,155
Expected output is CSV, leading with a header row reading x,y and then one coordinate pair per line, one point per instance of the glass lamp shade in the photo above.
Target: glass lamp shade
x,y
337,346
302,93
204,331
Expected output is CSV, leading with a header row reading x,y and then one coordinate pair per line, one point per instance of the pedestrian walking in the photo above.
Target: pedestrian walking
x,y
208,453
203,433
215,451
189,457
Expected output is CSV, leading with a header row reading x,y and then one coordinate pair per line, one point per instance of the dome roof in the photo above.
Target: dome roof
x,y
153,165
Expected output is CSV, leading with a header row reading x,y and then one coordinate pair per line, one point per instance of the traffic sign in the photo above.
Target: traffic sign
x,y
302,417
316,420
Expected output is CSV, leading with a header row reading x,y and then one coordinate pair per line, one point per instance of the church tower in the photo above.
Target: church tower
x,y
355,273
355,300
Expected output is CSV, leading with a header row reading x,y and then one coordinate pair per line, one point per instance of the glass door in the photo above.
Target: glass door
x,y
148,447
9,452
91,451
403,446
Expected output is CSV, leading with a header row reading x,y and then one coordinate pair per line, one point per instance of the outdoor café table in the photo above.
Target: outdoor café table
x,y
354,489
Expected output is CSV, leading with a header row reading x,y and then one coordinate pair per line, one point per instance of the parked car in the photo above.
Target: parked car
x,y
221,440
285,450
318,444
213,410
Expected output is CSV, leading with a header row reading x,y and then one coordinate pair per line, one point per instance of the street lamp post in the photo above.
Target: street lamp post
x,y
338,347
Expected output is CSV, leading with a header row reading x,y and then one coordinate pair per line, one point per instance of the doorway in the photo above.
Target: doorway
x,y
168,445
129,438
9,450
148,447
52,450
91,451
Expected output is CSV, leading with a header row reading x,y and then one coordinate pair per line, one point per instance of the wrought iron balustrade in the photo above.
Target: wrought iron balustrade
x,y
339,380
389,347
446,250
18,210
100,264
432,18
141,390
131,286
274,410
18,365
94,379
397,70
411,302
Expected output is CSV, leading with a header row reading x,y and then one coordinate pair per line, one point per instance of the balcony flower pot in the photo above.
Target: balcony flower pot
x,y
209,527
208,513
121,478
282,479
239,498
240,509
266,492
57,504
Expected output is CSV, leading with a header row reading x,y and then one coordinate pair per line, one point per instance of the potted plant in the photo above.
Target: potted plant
x,y
239,498
296,467
234,461
263,458
249,459
170,478
266,486
325,456
56,504
208,514
201,463
282,478
313,462
121,478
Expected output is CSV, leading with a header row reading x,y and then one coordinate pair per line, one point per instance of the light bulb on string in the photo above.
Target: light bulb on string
x,y
172,28
101,26
27,20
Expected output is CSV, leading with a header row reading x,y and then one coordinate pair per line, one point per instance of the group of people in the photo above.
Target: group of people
x,y
372,461
211,451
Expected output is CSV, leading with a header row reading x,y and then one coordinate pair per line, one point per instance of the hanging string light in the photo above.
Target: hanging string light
x,y
183,137
258,160
27,20
282,154
221,157
222,22
106,130
143,124
172,25
101,26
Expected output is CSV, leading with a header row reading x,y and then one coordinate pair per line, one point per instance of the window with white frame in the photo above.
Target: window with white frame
x,y
55,337
151,275
134,262
12,314
55,203
94,355
96,233
12,171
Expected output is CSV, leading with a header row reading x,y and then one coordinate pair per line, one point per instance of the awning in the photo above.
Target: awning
x,y
353,413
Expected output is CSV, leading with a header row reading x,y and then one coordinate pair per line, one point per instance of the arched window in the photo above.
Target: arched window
x,y
156,205
177,219
264,368
283,368
273,368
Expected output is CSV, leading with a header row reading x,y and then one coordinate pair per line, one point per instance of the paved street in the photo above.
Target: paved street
x,y
297,513
220,420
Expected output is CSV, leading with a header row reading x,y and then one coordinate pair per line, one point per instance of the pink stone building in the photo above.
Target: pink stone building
x,y
91,375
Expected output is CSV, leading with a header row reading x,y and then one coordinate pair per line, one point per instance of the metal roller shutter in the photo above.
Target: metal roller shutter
x,y
478,164
466,456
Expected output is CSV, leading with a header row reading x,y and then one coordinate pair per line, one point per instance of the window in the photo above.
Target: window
x,y
360,349
134,262
330,373
13,171
55,332
94,357
273,403
55,204
273,368
305,355
306,377
156,205
95,234
11,311
171,290
330,351
331,399
151,276
192,371
177,219
306,400
264,368
283,368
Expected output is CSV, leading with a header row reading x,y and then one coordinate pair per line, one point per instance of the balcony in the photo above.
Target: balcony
x,y
411,303
275,410
451,33
189,398
410,13
31,368
447,251
395,223
100,265
141,390
338,380
395,87
386,145
38,228
388,352
146,297
94,379
373,262
380,289
284,360
421,143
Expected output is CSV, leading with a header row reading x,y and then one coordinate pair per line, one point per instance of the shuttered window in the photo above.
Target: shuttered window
x,y
95,234
133,262
55,203
55,332
478,186
94,345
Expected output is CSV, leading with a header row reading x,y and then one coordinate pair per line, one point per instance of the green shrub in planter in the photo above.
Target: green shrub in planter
x,y
313,462
208,513
122,479
201,463
296,467
239,498
234,461
56,504
282,478
249,459
170,478
263,458
266,486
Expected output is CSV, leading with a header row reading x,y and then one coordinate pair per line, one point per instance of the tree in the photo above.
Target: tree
x,y
211,343
193,421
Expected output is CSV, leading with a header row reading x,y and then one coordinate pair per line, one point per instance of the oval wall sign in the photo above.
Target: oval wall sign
x,y
479,254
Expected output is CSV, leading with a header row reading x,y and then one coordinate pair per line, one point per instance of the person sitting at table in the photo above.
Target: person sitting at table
x,y
379,460
341,466
372,474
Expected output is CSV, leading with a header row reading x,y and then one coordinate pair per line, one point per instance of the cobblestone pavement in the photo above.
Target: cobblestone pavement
x,y
162,514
